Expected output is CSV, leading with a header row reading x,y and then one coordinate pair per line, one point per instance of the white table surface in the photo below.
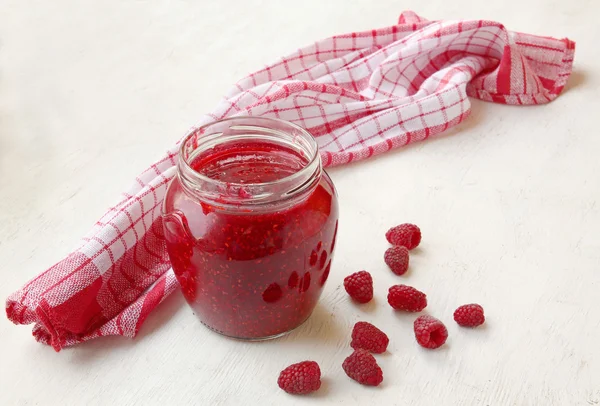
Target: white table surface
x,y
92,91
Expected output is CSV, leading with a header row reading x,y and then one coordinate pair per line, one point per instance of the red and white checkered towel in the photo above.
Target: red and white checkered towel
x,y
359,94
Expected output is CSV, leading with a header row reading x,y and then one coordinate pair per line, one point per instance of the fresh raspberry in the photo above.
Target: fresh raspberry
x,y
362,367
407,235
368,337
469,315
359,286
407,298
396,258
430,332
303,377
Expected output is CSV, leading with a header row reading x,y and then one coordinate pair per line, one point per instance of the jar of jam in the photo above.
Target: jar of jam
x,y
250,222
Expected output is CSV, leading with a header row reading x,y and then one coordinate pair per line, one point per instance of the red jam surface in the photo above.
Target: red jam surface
x,y
251,271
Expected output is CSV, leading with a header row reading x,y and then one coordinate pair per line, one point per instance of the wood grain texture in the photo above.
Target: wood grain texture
x,y
91,92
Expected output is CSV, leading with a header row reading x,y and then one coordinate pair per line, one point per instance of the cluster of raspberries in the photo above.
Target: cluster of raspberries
x,y
361,365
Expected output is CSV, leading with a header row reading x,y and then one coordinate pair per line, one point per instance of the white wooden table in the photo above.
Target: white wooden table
x,y
92,91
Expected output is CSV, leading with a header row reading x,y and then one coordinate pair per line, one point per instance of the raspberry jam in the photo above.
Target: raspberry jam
x,y
250,223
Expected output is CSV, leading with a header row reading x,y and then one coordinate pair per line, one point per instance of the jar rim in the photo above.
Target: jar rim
x,y
295,181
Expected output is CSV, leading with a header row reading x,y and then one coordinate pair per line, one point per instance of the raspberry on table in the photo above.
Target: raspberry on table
x,y
469,315
368,337
301,378
359,286
430,332
407,298
407,235
396,258
362,367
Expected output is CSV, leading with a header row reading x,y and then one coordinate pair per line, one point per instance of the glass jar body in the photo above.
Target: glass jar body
x,y
252,271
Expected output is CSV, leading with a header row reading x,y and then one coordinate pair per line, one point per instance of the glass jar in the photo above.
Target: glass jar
x,y
250,223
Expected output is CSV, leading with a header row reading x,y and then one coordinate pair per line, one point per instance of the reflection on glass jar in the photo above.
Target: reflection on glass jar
x,y
248,220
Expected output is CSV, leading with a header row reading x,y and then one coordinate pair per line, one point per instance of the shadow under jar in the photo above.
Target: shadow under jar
x,y
250,223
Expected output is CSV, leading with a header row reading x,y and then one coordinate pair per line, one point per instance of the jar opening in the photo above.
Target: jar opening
x,y
249,160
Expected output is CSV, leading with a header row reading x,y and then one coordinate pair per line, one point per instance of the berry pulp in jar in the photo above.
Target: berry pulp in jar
x,y
251,270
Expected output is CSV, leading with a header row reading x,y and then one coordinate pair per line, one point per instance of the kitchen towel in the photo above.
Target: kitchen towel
x,y
360,94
